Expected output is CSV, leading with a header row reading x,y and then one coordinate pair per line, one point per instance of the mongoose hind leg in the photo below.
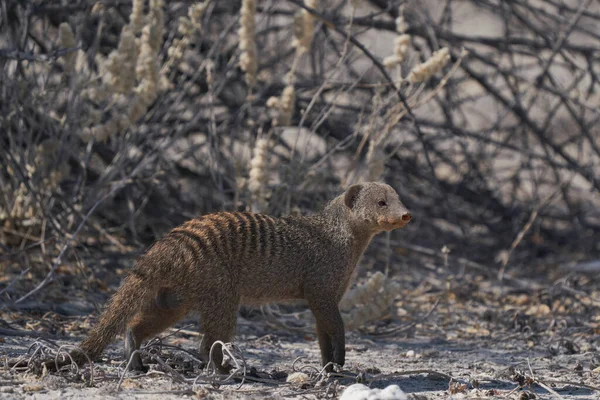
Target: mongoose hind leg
x,y
155,318
218,320
130,347
330,332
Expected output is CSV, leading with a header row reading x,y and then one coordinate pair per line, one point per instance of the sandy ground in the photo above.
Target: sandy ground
x,y
418,360
450,333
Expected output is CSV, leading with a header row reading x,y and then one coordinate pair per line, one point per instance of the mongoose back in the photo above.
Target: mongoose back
x,y
214,263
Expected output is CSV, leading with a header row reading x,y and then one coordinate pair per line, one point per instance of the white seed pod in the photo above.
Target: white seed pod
x,y
121,63
128,58
136,18
362,293
369,302
258,175
436,62
67,41
175,52
401,24
391,61
147,70
302,43
286,106
273,102
401,46
247,45
185,26
156,24
195,13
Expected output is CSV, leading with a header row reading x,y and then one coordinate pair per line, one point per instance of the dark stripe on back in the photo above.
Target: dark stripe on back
x,y
263,237
228,225
196,223
254,233
220,223
241,234
192,241
273,235
211,232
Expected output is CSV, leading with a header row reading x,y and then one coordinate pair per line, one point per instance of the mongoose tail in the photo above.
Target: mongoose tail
x,y
123,306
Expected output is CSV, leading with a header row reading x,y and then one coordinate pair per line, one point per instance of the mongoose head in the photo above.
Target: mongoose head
x,y
378,205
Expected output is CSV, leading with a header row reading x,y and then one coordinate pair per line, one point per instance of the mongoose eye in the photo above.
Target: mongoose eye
x,y
382,203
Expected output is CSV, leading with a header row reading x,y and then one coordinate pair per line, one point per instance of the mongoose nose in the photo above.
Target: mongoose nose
x,y
406,217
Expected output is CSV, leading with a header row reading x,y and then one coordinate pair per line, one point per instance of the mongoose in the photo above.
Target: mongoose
x,y
214,263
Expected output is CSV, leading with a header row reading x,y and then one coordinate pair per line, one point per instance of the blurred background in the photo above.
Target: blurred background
x,y
121,119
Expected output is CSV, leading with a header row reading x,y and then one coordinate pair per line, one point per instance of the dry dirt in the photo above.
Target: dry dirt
x,y
527,337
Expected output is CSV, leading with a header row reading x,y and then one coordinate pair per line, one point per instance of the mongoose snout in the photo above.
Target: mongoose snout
x,y
391,223
214,263
398,220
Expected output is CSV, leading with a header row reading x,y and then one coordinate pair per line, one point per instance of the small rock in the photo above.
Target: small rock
x,y
359,391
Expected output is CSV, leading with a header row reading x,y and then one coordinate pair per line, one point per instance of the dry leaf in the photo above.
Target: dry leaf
x,y
32,387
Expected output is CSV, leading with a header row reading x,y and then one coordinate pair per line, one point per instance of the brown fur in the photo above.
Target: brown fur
x,y
214,263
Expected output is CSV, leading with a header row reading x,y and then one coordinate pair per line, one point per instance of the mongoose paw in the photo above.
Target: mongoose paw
x,y
139,370
224,369
333,367
136,365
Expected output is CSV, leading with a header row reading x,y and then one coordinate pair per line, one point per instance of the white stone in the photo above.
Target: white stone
x,y
359,391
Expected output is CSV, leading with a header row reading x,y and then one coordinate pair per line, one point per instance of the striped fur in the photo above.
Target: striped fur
x,y
214,263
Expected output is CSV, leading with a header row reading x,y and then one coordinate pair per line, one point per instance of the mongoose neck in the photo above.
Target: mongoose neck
x,y
351,234
341,219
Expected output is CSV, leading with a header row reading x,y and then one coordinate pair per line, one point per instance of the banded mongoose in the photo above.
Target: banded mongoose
x,y
214,263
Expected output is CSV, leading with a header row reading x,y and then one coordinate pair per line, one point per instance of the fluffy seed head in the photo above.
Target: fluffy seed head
x,y
304,27
247,33
422,72
67,41
401,46
401,24
136,19
258,175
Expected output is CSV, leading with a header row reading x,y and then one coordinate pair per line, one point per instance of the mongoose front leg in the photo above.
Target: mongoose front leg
x,y
330,332
325,344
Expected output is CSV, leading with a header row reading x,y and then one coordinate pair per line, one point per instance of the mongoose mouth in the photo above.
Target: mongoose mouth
x,y
390,223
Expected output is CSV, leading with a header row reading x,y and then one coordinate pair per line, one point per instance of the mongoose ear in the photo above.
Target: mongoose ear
x,y
352,194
